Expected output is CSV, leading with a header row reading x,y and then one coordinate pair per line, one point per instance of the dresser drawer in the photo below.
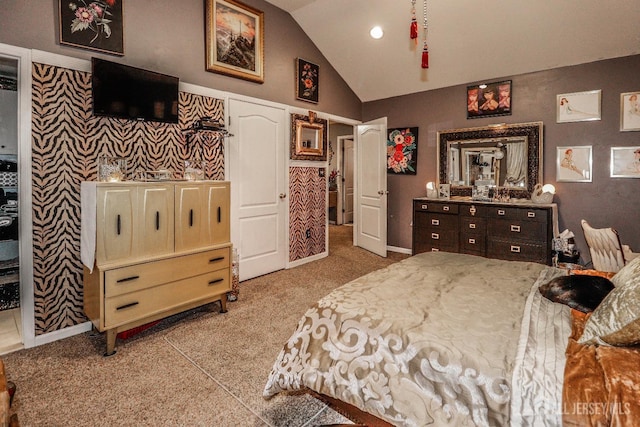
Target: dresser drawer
x,y
474,211
517,230
436,221
132,306
429,206
141,276
473,243
529,214
513,251
472,225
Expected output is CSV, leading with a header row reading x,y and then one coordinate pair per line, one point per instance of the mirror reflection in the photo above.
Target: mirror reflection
x,y
504,156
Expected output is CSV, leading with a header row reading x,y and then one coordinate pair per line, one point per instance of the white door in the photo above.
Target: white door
x,y
347,183
370,219
258,193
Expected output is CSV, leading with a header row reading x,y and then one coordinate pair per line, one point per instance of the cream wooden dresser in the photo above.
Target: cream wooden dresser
x,y
153,249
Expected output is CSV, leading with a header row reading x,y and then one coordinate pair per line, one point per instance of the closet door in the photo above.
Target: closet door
x,y
115,217
217,213
189,221
155,219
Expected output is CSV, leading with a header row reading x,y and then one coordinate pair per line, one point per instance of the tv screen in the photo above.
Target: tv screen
x,y
126,92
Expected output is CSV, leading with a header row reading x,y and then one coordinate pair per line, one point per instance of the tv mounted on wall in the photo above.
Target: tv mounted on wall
x,y
126,92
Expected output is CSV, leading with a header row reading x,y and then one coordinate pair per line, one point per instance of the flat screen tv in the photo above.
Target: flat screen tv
x,y
125,92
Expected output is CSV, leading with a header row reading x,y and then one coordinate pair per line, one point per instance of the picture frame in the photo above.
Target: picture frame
x,y
489,99
630,111
308,137
625,162
402,150
444,191
579,106
574,164
307,79
98,27
234,39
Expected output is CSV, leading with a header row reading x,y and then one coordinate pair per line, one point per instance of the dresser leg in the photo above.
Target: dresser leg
x,y
111,342
223,304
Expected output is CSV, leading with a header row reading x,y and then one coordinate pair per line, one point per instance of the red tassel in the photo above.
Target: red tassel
x,y
413,30
425,57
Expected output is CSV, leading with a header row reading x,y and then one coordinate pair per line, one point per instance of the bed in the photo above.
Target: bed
x,y
443,339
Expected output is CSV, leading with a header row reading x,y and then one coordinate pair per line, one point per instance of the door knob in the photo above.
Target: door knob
x,y
282,195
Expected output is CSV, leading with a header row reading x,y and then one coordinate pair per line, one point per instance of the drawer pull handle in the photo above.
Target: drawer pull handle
x,y
213,282
472,226
435,222
118,225
501,212
531,214
190,217
131,304
157,220
435,250
220,258
219,214
472,241
515,228
424,207
472,210
445,208
435,236
127,279
515,249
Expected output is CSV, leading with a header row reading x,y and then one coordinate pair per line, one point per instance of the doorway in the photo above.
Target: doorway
x,y
346,158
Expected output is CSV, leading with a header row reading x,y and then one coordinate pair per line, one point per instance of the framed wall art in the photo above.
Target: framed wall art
x,y
625,162
574,164
308,137
578,106
234,38
630,111
96,25
402,150
307,77
488,100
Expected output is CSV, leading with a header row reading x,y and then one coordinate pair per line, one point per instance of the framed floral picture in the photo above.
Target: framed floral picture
x,y
234,39
307,77
402,150
573,164
95,25
630,111
625,162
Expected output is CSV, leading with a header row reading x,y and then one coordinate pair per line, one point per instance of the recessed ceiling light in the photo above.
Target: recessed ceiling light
x,y
376,32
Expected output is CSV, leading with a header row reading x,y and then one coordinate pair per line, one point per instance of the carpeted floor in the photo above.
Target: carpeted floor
x,y
200,368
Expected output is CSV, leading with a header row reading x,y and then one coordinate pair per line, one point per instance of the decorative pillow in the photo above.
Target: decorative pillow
x,y
626,273
616,321
580,292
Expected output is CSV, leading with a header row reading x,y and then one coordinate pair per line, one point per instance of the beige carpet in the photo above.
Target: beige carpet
x,y
200,368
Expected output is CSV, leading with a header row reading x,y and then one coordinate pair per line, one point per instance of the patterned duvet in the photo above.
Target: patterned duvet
x,y
433,340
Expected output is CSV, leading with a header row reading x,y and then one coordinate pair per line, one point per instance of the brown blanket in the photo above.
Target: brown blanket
x,y
601,384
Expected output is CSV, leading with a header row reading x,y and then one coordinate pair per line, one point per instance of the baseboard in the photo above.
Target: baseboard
x,y
307,259
399,250
62,333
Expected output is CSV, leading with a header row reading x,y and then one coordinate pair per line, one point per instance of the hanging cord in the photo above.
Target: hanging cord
x,y
425,48
413,28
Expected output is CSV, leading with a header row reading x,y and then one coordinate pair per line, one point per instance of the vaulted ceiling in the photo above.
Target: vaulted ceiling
x,y
469,40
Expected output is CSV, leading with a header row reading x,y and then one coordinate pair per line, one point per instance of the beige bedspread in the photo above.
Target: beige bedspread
x,y
429,340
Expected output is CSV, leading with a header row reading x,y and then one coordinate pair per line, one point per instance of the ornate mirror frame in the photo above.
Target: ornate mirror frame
x,y
532,132
308,137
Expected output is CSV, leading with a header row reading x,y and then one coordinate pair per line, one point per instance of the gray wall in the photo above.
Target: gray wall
x,y
604,202
168,36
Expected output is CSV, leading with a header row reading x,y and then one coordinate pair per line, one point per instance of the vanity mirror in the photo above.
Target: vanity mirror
x,y
507,156
309,137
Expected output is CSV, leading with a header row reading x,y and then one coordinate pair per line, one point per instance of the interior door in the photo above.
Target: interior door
x,y
347,181
370,222
258,195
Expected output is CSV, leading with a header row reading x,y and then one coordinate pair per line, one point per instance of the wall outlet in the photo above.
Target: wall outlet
x,y
308,233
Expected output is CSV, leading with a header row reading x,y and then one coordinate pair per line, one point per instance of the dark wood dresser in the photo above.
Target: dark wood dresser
x,y
509,231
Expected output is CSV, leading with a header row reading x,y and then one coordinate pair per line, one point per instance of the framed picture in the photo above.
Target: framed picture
x,y
630,111
625,162
308,137
444,191
95,25
402,150
488,100
573,164
307,77
234,39
578,106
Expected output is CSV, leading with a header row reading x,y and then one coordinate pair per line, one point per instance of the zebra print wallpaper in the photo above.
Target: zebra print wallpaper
x,y
307,212
66,142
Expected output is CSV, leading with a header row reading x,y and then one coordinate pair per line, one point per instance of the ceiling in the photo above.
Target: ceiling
x,y
469,40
